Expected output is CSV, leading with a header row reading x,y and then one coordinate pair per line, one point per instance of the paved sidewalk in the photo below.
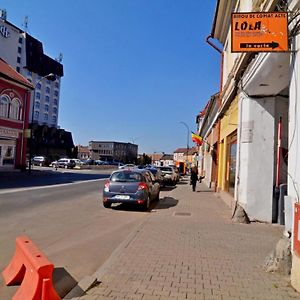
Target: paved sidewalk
x,y
190,249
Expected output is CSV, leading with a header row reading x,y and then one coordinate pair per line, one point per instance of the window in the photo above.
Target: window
x,y
38,86
20,40
54,110
14,111
56,84
38,95
47,90
56,93
36,105
18,69
19,50
54,119
55,101
4,102
36,115
46,107
18,59
47,98
45,117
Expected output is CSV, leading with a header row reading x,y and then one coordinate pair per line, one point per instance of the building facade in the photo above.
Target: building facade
x,y
26,55
113,151
14,111
258,145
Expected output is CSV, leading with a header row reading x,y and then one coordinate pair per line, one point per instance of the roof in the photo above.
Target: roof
x,y
167,157
180,150
9,73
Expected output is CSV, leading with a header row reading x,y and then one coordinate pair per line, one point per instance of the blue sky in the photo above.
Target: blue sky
x,y
133,69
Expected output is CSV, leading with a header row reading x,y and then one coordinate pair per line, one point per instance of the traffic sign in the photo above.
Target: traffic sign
x,y
259,32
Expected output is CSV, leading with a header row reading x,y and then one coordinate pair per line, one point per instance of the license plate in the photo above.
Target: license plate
x,y
122,197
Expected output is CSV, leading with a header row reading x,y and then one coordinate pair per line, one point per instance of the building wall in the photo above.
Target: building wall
x,y
294,144
12,132
13,51
257,156
228,125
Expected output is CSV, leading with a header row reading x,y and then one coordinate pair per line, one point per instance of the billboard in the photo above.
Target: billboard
x,y
259,32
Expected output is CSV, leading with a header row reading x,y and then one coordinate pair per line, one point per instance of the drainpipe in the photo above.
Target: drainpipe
x,y
219,102
279,152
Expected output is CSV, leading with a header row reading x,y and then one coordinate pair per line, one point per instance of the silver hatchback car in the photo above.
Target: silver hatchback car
x,y
136,186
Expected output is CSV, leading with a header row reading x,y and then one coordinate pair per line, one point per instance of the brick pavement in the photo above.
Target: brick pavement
x,y
188,248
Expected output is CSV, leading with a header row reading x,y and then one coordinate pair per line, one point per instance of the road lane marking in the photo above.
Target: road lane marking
x,y
17,190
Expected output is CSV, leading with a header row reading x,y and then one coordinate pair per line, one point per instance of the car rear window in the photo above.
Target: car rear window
x,y
126,177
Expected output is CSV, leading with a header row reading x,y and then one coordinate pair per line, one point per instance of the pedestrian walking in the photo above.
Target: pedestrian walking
x,y
194,178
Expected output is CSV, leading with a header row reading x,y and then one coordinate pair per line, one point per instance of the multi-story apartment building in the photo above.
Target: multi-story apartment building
x,y
113,151
25,54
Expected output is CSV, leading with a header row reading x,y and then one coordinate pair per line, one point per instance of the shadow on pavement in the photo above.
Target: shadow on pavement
x,y
168,188
163,203
166,203
40,178
63,282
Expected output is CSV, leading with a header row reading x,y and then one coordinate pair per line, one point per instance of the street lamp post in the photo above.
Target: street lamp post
x,y
187,140
52,77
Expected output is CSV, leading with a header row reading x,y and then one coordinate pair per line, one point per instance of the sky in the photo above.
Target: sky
x,y
135,71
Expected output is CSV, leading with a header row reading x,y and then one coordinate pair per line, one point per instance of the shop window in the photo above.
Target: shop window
x,y
4,103
231,162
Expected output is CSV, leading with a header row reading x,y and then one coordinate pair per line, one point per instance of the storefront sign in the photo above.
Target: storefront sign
x,y
259,32
7,132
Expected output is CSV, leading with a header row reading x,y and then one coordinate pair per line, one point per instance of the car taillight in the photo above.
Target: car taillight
x,y
106,186
142,186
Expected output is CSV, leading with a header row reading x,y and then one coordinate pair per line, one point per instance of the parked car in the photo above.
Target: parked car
x,y
136,186
66,163
157,174
39,161
177,173
169,175
127,166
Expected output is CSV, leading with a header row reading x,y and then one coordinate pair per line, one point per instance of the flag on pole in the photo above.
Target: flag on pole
x,y
197,139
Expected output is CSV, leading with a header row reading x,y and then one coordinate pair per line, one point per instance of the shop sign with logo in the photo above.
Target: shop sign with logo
x,y
4,31
259,32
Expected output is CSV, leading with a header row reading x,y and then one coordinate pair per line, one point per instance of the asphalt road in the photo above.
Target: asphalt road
x,y
62,214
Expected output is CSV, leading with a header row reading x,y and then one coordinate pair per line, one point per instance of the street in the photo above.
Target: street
x,y
64,216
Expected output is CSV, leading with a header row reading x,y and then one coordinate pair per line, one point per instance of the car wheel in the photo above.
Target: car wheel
x,y
147,204
107,205
157,197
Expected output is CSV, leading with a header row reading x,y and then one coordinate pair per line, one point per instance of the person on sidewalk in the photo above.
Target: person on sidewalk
x,y
194,178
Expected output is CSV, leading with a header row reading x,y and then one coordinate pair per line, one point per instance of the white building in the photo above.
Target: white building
x,y
26,55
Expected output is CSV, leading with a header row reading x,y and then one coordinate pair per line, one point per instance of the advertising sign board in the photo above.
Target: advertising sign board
x,y
259,32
